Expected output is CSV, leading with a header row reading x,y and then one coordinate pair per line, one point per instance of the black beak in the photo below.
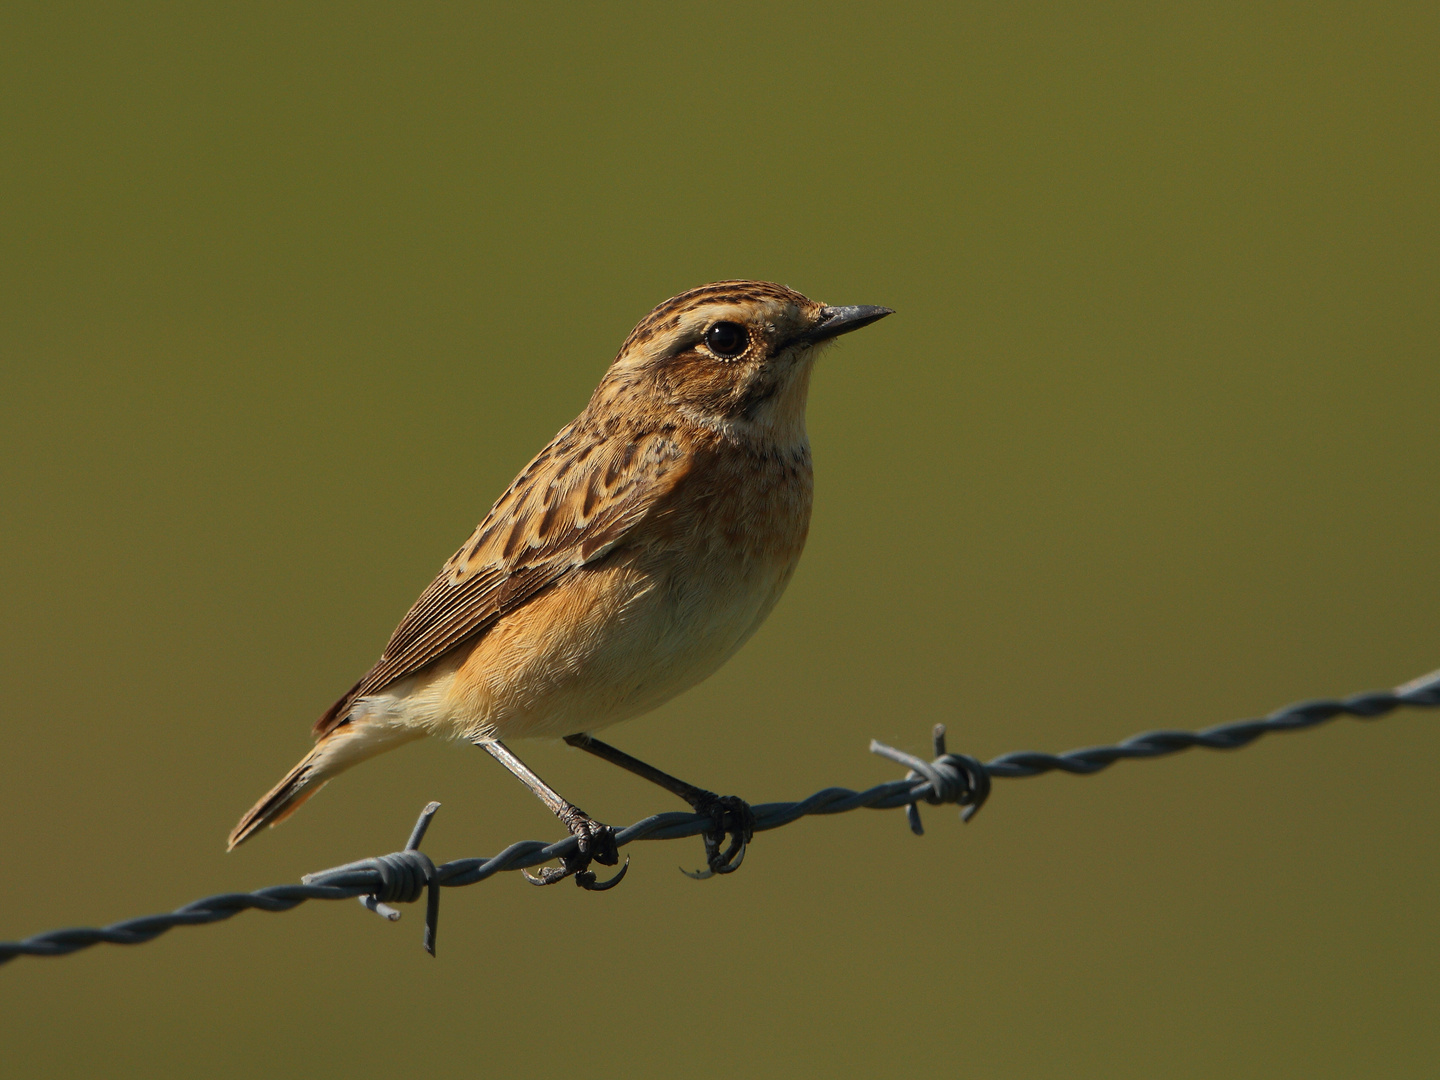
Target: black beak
x,y
835,321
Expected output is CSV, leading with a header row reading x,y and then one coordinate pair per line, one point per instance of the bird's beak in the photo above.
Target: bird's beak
x,y
835,321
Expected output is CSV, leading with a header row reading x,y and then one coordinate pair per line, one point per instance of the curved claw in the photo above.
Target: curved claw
x,y
586,879
733,858
726,864
597,844
742,820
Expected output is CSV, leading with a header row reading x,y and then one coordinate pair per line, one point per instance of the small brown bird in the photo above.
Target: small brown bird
x,y
629,560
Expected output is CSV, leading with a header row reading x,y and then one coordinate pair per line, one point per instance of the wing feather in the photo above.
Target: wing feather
x,y
570,506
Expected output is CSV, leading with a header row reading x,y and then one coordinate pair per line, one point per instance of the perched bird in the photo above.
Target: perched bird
x,y
629,560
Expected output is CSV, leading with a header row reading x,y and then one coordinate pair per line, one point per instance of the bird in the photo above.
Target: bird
x,y
627,562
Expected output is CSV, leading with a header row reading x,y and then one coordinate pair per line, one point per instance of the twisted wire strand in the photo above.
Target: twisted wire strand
x,y
405,876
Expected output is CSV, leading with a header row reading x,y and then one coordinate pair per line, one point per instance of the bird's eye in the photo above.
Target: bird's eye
x,y
727,339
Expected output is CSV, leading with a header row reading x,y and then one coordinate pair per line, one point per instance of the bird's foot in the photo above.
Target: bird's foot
x,y
595,842
732,817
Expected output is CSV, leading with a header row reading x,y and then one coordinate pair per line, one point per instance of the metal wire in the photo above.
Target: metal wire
x,y
404,876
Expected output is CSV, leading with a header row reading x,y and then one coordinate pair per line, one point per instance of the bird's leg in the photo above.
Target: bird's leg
x,y
731,816
596,841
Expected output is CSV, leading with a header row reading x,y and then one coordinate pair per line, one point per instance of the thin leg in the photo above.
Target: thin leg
x,y
689,792
596,841
732,816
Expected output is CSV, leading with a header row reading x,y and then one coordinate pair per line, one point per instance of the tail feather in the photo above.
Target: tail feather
x,y
280,801
347,745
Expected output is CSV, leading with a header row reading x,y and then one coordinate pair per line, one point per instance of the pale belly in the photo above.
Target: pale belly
x,y
667,634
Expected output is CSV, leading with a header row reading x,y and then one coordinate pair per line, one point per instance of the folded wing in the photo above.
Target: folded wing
x,y
570,506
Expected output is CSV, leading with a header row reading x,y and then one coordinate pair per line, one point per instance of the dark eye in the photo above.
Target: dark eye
x,y
726,339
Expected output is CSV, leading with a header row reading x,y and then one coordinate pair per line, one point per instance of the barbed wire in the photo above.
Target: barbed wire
x,y
404,876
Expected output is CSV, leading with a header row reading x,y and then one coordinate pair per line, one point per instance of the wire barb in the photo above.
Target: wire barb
x,y
949,778
404,875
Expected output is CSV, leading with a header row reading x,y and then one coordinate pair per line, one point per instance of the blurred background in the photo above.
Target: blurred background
x,y
288,293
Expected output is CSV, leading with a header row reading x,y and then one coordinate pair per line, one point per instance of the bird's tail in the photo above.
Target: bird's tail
x,y
345,746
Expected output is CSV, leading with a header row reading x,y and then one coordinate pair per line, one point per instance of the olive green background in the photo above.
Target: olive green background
x,y
287,295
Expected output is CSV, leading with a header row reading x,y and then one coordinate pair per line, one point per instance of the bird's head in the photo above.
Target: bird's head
x,y
734,356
